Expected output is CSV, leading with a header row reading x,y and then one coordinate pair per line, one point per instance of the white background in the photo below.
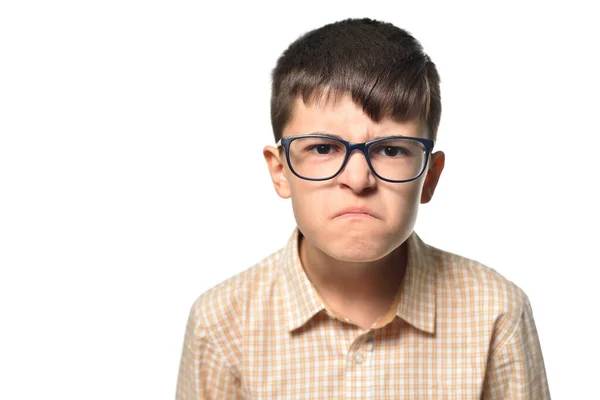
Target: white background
x,y
131,135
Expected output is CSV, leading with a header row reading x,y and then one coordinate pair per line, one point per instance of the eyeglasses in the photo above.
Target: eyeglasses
x,y
318,157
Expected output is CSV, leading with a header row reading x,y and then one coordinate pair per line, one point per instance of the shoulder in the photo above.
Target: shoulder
x,y
224,305
479,291
217,317
469,277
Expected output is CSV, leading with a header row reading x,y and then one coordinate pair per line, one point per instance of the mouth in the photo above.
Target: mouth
x,y
355,212
355,215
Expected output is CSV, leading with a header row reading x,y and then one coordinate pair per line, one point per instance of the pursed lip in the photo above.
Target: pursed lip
x,y
356,210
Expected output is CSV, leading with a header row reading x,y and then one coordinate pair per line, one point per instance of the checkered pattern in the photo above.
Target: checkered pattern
x,y
456,330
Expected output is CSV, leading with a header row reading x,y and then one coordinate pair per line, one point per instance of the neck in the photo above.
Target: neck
x,y
353,288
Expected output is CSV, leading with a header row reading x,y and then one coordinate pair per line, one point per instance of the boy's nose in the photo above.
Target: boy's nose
x,y
356,173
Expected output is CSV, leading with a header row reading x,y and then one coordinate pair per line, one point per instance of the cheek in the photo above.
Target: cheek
x,y
402,200
310,205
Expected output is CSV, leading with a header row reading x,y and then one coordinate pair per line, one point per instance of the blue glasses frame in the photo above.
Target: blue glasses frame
x,y
350,147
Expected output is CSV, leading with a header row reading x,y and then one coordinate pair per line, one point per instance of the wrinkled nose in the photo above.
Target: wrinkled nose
x,y
356,173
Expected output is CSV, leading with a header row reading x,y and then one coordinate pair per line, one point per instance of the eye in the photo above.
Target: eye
x,y
391,151
321,148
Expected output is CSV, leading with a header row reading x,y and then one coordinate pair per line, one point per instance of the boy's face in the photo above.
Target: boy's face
x,y
358,238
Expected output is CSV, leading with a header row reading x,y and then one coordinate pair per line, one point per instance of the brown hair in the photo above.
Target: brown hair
x,y
381,66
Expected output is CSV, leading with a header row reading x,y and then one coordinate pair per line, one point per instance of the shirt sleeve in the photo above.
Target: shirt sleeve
x,y
516,368
204,372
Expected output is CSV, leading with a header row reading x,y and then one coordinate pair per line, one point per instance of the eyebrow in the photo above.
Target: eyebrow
x,y
341,138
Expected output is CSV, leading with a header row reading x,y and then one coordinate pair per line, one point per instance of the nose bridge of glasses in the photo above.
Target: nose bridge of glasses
x,y
361,147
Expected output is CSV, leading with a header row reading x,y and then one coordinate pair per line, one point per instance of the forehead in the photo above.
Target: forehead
x,y
346,119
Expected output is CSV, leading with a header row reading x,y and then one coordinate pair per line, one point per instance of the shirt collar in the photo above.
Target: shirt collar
x,y
415,302
301,297
418,288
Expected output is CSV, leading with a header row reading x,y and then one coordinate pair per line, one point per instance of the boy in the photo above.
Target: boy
x,y
356,305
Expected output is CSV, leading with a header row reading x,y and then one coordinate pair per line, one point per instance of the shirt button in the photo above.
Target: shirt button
x,y
358,358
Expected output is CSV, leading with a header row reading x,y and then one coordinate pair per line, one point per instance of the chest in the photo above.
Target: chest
x,y
336,361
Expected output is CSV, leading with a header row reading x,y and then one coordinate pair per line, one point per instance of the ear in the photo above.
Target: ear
x,y
436,166
277,171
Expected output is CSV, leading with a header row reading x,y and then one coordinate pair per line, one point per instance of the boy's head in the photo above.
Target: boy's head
x,y
381,66
358,80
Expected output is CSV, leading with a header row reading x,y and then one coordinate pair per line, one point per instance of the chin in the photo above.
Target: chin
x,y
357,247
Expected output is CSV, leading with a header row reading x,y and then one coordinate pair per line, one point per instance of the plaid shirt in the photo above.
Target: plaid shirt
x,y
456,330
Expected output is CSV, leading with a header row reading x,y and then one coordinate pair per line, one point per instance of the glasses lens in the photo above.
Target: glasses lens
x,y
398,159
316,157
